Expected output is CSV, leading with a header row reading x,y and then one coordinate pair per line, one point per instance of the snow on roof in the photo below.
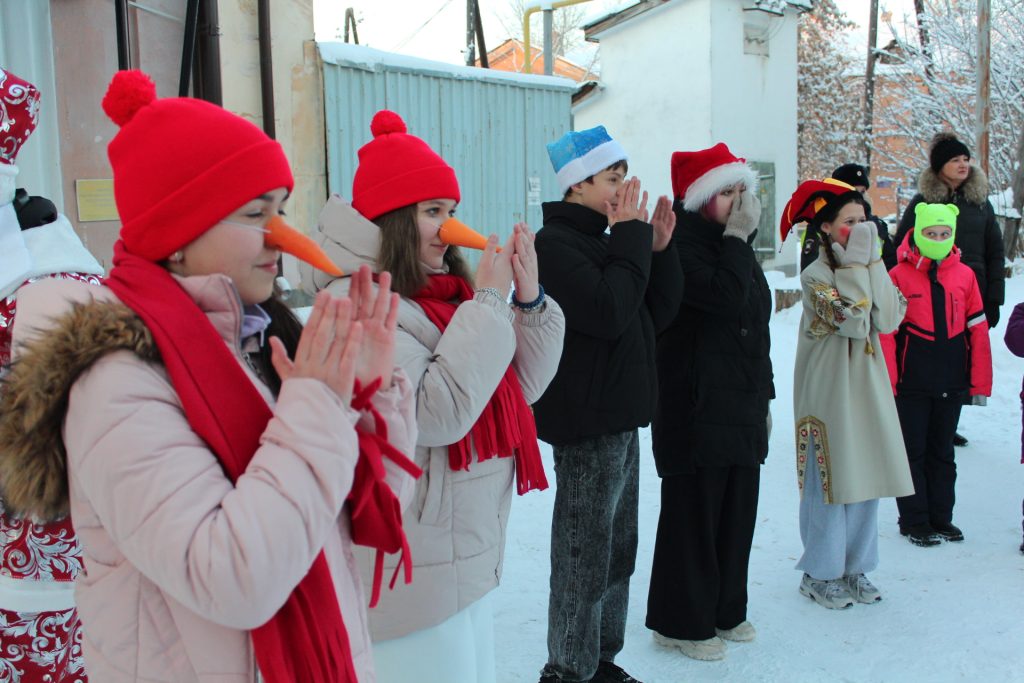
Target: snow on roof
x,y
369,59
1002,202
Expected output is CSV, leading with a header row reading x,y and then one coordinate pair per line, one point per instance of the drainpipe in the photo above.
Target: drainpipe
x,y
547,7
266,68
209,53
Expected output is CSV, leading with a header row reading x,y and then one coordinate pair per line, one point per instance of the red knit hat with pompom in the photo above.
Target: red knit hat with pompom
x,y
397,169
181,165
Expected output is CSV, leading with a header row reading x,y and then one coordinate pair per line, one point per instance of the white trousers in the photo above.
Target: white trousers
x,y
839,540
458,650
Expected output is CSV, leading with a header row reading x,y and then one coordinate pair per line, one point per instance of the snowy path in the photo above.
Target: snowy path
x,y
951,613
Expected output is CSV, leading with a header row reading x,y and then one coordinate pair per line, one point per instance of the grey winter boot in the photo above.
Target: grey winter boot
x,y
832,593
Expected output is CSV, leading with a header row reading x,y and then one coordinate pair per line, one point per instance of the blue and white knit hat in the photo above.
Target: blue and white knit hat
x,y
577,155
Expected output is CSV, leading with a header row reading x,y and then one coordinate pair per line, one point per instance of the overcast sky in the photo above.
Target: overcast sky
x,y
436,29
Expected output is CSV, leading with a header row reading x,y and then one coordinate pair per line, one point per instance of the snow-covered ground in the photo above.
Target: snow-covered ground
x,y
950,613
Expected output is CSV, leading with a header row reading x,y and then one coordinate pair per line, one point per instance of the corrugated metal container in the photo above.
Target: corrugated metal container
x,y
491,126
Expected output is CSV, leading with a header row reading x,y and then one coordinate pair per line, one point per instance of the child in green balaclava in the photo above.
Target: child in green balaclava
x,y
941,356
935,229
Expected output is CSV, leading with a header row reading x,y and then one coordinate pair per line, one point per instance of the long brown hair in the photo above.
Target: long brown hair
x,y
400,253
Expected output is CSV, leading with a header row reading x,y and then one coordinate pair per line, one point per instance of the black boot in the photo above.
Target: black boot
x,y
609,672
921,534
948,531
959,439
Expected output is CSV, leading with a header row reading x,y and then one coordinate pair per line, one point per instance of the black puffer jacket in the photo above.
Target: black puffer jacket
x,y
714,367
616,294
977,233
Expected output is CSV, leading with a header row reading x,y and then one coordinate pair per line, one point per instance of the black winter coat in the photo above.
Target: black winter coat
x,y
616,295
714,366
977,233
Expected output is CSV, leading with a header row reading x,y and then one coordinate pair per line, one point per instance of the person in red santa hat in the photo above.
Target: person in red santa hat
x,y
218,461
476,364
39,560
849,447
710,430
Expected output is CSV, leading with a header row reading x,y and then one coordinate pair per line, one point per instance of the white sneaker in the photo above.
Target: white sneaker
x,y
744,632
861,589
832,593
706,650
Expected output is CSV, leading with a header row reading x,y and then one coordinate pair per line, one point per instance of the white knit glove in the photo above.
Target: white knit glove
x,y
861,249
744,217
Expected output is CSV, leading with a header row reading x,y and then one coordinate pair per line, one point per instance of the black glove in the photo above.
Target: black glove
x,y
992,313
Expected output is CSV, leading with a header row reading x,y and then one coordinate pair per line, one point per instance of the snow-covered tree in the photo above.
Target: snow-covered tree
x,y
932,85
830,103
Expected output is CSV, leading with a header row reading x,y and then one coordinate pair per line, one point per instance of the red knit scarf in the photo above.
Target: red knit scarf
x,y
506,426
306,639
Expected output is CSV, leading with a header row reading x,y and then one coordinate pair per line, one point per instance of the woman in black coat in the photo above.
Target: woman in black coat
x,y
710,430
951,178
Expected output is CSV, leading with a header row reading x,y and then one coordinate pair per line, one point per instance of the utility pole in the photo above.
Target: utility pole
x,y
470,32
983,112
869,83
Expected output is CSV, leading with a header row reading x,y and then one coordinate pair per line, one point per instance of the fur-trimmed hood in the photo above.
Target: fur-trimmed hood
x,y
34,400
934,191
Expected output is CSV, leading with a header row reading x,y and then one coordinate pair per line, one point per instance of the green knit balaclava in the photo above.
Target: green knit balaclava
x,y
931,215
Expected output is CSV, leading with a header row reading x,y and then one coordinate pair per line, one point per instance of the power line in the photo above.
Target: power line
x,y
423,25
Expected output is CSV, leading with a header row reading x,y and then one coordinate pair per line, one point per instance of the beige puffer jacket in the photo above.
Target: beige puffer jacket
x,y
457,520
179,563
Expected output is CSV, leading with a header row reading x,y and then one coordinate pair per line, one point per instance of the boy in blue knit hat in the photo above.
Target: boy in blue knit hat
x,y
608,266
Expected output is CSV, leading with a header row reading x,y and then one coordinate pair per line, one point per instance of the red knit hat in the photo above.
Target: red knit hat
x,y
810,197
699,176
397,169
181,165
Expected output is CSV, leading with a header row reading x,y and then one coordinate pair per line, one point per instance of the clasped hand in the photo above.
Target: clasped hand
x,y
346,338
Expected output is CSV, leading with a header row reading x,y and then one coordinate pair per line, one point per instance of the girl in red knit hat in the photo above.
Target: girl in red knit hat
x,y
476,363
849,445
207,472
710,430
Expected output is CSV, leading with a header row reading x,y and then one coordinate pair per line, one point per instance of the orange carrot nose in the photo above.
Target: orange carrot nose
x,y
289,240
458,234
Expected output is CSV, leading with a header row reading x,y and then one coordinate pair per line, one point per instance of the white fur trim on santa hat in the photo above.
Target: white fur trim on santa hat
x,y
594,161
8,172
705,187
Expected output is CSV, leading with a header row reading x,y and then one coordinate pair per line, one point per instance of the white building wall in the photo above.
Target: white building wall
x,y
656,75
753,97
678,78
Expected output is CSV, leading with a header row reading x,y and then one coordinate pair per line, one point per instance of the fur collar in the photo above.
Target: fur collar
x,y
934,191
34,400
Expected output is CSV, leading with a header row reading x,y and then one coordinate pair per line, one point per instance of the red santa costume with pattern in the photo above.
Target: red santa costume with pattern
x,y
40,639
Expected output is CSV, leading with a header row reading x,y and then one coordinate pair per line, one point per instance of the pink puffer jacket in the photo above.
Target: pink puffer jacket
x,y
180,563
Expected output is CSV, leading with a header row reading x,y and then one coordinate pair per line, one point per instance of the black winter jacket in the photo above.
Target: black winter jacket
x,y
616,295
714,366
977,233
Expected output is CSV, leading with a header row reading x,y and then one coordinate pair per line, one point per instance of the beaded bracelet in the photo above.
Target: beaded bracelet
x,y
493,291
532,305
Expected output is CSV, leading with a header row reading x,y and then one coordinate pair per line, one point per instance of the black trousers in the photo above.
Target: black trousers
x,y
699,577
928,425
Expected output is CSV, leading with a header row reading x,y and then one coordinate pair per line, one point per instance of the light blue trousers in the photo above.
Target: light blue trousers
x,y
839,540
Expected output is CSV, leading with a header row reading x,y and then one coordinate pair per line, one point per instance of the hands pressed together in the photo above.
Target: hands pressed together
x,y
861,248
633,206
346,338
515,264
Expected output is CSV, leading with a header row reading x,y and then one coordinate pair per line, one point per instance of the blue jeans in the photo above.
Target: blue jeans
x,y
593,552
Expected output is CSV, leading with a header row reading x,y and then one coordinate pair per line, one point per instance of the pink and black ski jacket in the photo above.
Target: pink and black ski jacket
x,y
941,348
